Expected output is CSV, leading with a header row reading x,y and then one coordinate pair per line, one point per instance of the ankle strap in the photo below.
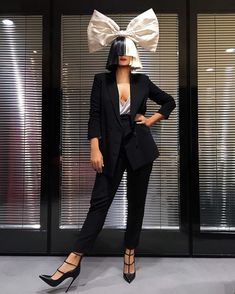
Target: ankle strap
x,y
79,254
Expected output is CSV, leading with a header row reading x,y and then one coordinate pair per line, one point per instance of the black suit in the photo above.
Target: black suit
x,y
104,120
125,145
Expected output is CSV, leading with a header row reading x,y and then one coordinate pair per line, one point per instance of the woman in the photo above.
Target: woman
x,y
120,139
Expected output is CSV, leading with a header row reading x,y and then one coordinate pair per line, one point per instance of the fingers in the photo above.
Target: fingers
x,y
140,119
98,166
138,116
143,121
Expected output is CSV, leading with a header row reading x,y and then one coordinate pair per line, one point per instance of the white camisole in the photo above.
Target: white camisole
x,y
125,107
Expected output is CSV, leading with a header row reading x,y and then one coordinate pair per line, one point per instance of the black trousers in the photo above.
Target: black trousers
x,y
103,193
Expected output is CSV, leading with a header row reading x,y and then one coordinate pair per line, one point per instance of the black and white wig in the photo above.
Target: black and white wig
x,y
123,46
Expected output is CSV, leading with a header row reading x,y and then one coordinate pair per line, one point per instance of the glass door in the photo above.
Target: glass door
x,y
165,227
213,112
24,146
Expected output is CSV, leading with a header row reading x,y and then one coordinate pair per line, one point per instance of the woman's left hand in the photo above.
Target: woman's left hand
x,y
141,119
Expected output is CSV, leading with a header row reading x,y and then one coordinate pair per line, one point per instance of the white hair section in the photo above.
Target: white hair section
x,y
131,50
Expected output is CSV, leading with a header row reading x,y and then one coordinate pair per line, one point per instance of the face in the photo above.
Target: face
x,y
124,60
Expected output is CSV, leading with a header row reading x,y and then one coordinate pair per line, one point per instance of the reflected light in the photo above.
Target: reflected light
x,y
210,69
7,22
230,50
15,62
229,68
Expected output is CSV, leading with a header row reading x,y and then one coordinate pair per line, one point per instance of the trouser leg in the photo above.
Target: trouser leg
x,y
103,192
137,185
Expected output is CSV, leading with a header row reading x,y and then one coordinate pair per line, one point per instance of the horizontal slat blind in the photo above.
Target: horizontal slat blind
x,y
78,69
216,118
20,121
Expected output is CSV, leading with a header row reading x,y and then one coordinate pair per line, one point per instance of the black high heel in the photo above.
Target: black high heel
x,y
72,273
129,277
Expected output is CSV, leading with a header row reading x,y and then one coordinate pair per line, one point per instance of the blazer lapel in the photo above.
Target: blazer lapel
x,y
114,96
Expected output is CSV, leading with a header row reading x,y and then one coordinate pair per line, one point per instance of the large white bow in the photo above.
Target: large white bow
x,y
143,30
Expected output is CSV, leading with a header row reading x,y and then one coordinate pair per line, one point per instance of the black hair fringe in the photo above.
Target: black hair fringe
x,y
118,48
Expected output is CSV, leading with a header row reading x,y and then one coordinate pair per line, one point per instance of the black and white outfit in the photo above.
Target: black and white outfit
x,y
124,143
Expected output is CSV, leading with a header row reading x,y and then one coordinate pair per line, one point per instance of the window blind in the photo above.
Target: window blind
x,y
20,121
216,120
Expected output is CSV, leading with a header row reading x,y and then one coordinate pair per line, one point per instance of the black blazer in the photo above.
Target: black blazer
x,y
104,119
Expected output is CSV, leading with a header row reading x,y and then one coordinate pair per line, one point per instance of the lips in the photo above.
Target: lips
x,y
123,59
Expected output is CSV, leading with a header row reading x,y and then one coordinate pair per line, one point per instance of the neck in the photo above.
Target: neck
x,y
123,73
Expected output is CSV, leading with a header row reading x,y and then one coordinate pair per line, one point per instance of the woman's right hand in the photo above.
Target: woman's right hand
x,y
97,160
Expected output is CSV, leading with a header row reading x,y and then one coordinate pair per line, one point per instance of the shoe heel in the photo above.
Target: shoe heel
x,y
70,284
74,277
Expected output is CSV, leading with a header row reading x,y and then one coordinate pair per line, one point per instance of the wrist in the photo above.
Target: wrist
x,y
150,121
155,117
94,144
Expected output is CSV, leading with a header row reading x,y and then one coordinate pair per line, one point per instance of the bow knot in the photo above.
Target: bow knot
x,y
121,33
143,30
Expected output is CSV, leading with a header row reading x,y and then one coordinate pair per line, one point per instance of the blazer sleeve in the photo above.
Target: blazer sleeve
x,y
95,110
162,98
